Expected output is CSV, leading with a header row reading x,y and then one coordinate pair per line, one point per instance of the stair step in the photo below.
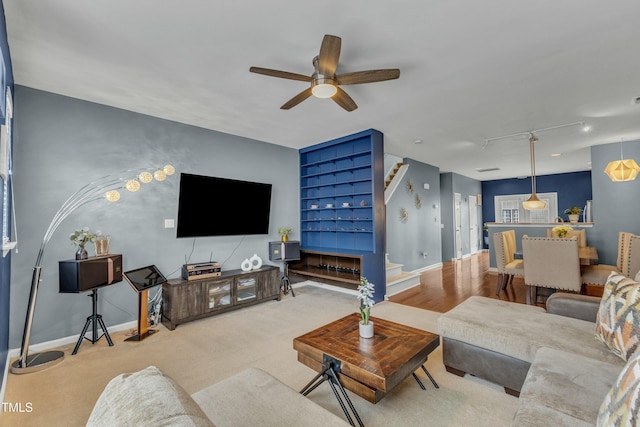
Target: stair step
x,y
401,282
393,270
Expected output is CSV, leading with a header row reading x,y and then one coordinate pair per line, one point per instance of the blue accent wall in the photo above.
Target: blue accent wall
x,y
5,262
573,189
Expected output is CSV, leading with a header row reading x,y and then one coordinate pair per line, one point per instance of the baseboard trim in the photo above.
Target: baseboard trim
x,y
427,268
43,346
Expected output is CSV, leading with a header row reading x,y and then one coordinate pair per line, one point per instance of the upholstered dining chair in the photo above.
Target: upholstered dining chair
x,y
551,263
627,263
504,244
580,234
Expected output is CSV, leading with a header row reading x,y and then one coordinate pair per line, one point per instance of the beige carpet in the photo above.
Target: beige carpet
x,y
203,352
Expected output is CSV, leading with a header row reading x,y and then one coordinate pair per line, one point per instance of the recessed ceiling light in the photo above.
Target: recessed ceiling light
x,y
586,127
556,155
417,141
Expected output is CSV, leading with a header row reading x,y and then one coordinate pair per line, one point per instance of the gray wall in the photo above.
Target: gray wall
x,y
452,183
62,144
407,242
615,204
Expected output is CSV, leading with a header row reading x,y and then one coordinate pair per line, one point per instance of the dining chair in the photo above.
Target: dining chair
x,y
596,275
551,263
504,244
580,234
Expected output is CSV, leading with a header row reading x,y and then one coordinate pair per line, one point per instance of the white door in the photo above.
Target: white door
x,y
458,219
473,225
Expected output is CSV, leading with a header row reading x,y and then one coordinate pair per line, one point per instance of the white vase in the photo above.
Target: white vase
x,y
366,331
573,219
246,265
256,262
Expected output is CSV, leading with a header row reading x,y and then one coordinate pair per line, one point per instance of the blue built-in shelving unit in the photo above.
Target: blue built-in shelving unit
x,y
342,211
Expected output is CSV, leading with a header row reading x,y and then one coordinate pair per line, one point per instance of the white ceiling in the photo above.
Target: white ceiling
x,y
470,71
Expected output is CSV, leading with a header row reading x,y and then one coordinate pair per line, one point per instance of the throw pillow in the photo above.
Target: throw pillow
x,y
620,405
618,320
147,397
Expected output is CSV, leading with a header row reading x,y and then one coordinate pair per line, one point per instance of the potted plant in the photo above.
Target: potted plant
x,y
365,296
573,213
284,233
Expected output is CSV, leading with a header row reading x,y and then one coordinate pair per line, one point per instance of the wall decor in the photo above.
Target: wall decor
x,y
418,201
404,215
409,186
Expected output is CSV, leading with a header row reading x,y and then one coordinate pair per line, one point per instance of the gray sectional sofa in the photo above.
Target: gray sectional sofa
x,y
248,398
550,358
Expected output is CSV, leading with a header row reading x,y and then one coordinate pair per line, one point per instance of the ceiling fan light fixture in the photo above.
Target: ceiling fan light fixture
x,y
324,88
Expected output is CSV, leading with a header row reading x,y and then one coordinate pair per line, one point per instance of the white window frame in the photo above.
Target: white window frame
x,y
514,201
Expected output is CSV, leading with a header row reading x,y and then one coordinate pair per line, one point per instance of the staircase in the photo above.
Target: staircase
x,y
398,281
393,179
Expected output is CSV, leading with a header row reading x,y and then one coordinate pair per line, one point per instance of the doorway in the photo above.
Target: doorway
x,y
458,220
474,237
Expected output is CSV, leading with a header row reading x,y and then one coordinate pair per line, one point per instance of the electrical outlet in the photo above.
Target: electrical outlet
x,y
169,223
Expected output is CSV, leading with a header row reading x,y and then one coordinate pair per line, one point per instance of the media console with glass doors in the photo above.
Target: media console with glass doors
x,y
187,300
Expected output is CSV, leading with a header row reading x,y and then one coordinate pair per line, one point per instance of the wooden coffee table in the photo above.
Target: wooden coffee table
x,y
369,367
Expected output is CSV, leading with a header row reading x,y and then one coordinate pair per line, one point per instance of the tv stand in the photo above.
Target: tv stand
x,y
187,300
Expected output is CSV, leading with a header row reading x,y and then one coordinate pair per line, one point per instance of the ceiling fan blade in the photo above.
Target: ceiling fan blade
x,y
369,76
344,100
280,74
296,99
329,55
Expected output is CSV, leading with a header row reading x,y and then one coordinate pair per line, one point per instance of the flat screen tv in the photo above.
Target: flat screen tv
x,y
144,278
211,206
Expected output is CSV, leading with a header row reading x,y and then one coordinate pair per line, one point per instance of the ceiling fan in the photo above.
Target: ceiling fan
x,y
324,81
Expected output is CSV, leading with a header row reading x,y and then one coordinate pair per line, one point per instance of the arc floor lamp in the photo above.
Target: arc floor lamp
x,y
103,188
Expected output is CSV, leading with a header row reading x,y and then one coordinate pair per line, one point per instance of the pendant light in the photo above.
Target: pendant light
x,y
622,170
533,203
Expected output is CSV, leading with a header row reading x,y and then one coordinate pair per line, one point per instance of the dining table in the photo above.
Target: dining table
x,y
588,255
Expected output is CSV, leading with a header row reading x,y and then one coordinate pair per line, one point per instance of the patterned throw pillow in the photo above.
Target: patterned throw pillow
x,y
620,406
618,321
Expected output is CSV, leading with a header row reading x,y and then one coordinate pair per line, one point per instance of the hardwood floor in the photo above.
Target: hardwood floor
x,y
443,288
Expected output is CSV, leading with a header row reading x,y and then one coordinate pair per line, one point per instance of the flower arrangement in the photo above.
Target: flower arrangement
x,y
284,230
573,210
81,236
365,296
561,230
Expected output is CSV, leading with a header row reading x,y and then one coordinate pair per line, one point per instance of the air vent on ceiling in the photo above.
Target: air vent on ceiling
x,y
487,169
